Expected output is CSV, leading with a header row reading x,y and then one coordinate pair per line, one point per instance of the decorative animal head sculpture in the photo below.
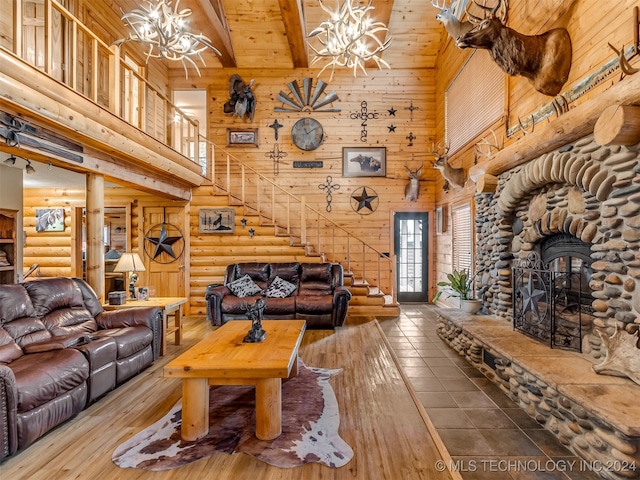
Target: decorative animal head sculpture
x,y
241,99
545,59
454,176
412,189
449,18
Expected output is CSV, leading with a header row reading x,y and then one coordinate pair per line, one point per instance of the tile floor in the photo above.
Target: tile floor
x,y
487,435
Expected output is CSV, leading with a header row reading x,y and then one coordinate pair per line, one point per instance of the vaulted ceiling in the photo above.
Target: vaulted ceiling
x,y
272,33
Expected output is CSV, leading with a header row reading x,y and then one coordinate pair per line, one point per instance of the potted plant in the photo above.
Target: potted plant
x,y
460,285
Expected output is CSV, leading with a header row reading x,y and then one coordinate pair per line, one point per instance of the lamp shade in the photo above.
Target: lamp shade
x,y
129,262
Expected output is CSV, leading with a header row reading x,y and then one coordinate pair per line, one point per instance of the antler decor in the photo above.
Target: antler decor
x,y
163,30
347,36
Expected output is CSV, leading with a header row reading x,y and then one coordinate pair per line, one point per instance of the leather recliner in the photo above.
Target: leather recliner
x,y
60,351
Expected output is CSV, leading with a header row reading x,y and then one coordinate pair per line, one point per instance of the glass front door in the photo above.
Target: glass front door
x,y
411,233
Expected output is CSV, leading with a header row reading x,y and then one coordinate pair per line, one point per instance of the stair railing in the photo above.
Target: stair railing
x,y
294,217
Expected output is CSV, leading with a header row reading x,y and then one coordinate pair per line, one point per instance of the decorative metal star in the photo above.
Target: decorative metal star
x,y
364,200
392,128
163,243
531,295
251,232
392,112
243,222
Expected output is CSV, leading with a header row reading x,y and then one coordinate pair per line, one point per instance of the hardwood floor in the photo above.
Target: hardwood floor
x,y
379,420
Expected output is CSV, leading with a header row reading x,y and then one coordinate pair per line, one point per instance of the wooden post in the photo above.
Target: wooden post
x,y
618,125
95,233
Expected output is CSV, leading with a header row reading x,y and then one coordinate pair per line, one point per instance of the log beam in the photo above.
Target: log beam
x,y
576,123
618,125
95,233
486,184
295,28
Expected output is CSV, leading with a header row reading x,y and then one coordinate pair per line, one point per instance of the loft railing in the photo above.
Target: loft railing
x,y
49,37
306,226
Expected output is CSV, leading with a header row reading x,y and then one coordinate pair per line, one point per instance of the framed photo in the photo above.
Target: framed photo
x,y
217,220
441,220
143,294
364,161
49,219
242,137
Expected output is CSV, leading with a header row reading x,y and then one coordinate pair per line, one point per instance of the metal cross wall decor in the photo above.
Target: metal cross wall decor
x,y
276,126
276,154
411,138
411,108
329,188
364,115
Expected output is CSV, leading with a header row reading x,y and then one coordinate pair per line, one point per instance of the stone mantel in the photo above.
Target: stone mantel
x,y
578,122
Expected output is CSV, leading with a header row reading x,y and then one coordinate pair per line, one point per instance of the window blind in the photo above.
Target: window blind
x,y
474,100
462,241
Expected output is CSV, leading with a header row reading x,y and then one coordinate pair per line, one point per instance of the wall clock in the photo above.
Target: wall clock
x,y
307,134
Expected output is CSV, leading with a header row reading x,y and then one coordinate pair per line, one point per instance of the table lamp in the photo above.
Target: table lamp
x,y
130,262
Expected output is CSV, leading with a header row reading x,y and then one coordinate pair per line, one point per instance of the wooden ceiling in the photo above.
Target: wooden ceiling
x,y
272,33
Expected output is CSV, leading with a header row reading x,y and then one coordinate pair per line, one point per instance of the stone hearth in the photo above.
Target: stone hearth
x,y
596,416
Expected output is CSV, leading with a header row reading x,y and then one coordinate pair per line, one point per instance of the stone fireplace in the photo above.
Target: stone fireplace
x,y
583,199
562,232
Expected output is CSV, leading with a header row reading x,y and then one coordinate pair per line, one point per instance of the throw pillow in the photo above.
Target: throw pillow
x,y
279,288
244,287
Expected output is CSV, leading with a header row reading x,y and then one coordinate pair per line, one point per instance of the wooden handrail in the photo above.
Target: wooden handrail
x,y
114,70
283,217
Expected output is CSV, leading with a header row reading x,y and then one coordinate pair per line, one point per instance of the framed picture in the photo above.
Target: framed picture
x,y
364,161
441,220
242,137
143,294
49,219
217,220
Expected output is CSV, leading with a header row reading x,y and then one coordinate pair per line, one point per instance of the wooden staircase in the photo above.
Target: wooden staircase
x,y
367,298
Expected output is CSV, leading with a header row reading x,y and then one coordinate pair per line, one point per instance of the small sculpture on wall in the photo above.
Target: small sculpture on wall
x,y
241,99
412,189
545,59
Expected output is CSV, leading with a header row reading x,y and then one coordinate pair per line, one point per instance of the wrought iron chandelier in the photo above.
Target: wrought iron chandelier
x,y
163,30
350,38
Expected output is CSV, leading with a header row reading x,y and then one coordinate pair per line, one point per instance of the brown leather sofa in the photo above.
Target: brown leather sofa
x,y
320,296
59,352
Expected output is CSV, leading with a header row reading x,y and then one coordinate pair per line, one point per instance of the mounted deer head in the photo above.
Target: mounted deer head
x,y
454,176
412,189
545,59
450,20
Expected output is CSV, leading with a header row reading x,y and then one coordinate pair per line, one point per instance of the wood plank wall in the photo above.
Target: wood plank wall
x,y
382,91
591,24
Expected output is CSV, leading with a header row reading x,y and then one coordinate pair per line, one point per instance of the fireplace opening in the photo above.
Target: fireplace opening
x,y
552,300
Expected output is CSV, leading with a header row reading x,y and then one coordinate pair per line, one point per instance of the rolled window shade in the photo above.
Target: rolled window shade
x,y
474,100
462,241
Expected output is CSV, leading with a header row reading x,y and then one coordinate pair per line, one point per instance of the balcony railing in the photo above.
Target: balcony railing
x,y
46,35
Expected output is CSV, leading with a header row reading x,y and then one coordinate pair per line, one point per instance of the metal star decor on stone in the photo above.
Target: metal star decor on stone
x,y
530,297
163,243
364,200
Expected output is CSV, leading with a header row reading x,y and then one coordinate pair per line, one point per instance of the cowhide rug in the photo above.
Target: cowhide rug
x,y
310,421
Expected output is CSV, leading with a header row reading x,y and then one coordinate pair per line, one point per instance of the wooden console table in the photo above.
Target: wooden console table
x,y
169,306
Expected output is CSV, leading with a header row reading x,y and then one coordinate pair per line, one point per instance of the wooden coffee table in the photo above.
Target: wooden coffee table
x,y
222,358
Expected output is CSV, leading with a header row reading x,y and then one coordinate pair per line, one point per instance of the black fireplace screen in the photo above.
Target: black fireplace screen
x,y
550,305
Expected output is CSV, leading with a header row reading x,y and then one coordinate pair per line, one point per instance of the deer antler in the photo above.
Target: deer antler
x,y
523,129
479,147
499,11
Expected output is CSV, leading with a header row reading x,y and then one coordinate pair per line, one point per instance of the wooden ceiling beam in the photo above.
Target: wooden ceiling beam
x,y
295,23
218,31
381,13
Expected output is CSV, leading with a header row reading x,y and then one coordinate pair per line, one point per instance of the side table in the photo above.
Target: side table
x,y
170,306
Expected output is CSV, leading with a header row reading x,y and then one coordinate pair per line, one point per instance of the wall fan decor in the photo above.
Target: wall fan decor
x,y
307,99
364,200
